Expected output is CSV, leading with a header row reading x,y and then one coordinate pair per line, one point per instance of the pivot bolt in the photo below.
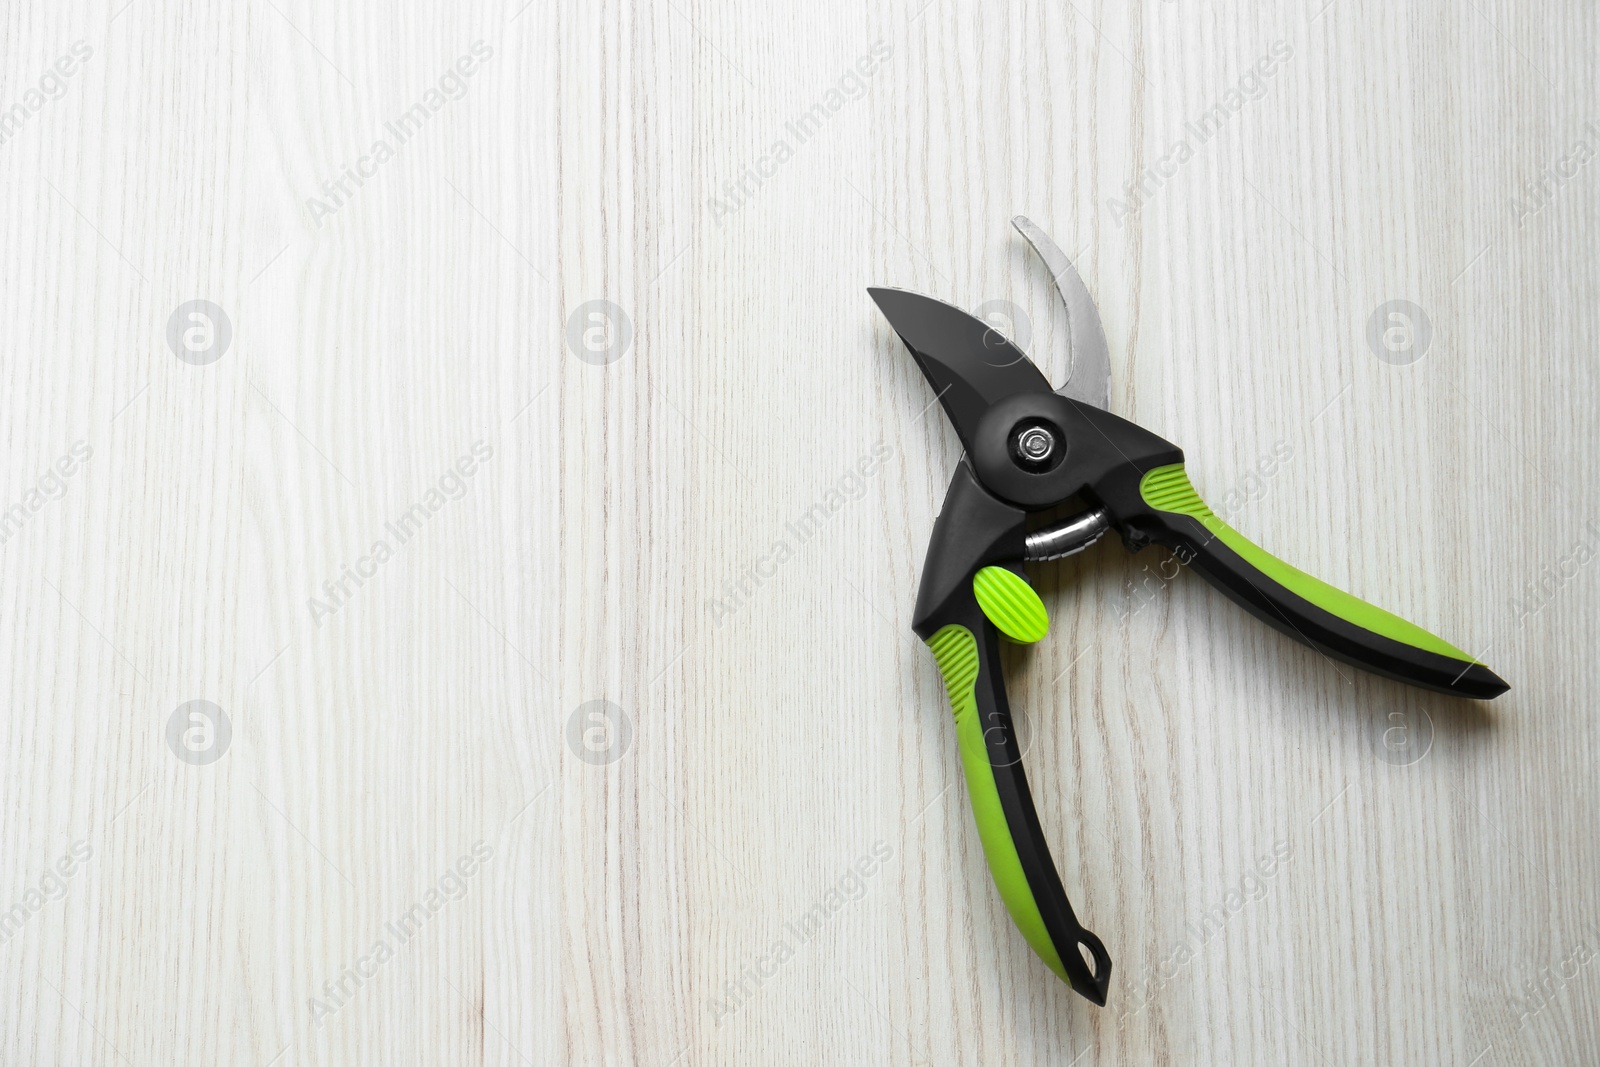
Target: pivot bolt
x,y
1034,446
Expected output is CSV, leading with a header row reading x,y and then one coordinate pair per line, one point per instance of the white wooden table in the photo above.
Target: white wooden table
x,y
544,719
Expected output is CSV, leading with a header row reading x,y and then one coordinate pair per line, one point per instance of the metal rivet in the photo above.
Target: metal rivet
x,y
1036,444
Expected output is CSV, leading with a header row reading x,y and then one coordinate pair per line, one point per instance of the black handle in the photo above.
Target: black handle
x,y
967,648
979,535
1307,609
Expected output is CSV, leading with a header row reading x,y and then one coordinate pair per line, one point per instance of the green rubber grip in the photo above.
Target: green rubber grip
x,y
1306,608
956,651
973,597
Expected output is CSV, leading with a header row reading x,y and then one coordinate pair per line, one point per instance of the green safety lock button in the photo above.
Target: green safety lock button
x,y
1011,604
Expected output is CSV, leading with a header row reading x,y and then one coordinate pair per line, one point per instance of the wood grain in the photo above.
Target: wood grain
x,y
424,842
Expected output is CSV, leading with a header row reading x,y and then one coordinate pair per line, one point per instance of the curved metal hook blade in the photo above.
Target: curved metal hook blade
x,y
1089,366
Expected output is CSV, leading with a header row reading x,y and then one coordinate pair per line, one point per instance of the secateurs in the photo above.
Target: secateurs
x,y
1030,449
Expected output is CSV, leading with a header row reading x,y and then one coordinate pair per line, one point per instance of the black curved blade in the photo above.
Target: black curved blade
x,y
969,363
